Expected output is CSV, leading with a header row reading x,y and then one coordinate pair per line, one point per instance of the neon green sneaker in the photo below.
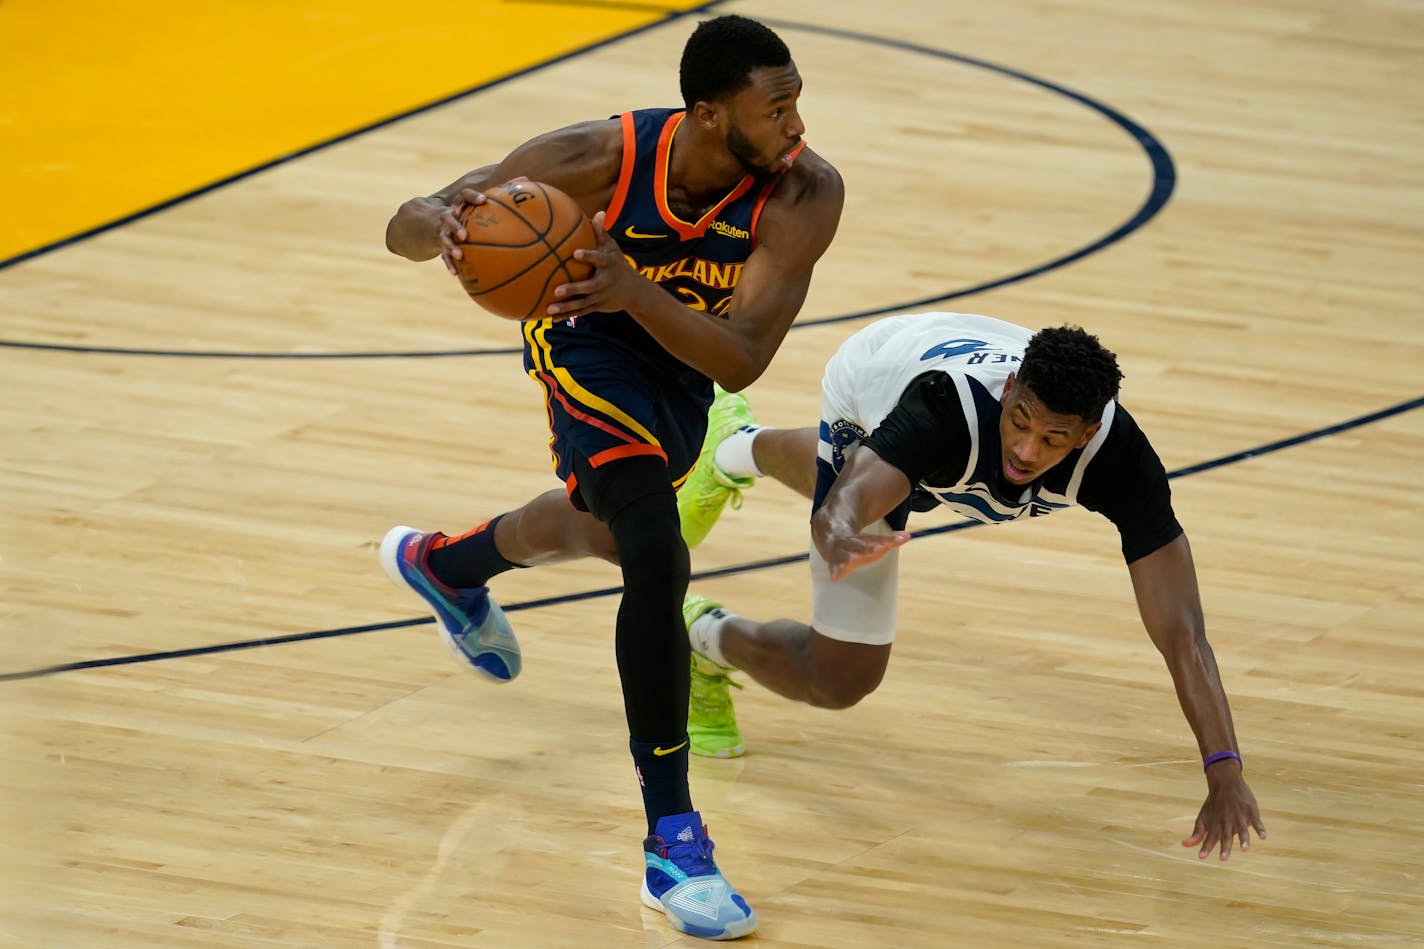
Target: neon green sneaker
x,y
711,720
708,488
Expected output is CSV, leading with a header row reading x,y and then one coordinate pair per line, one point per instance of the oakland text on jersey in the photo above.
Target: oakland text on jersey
x,y
721,278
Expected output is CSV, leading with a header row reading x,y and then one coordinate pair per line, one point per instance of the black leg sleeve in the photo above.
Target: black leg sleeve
x,y
635,498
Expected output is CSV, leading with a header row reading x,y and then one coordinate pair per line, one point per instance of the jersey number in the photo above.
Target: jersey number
x,y
694,301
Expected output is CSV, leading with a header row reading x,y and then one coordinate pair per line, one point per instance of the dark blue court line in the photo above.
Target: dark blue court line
x,y
1164,173
1164,177
700,575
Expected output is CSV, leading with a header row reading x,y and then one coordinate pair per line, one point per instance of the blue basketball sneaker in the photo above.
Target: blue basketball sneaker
x,y
470,621
682,881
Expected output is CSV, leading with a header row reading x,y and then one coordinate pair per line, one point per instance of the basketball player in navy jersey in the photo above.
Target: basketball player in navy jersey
x,y
709,219
998,424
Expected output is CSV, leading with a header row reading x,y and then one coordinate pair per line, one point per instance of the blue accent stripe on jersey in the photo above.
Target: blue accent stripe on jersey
x,y
988,513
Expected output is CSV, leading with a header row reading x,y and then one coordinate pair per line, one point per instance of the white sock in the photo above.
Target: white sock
x,y
706,634
734,455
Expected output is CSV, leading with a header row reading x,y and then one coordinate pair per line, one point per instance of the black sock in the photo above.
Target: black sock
x,y
662,775
468,560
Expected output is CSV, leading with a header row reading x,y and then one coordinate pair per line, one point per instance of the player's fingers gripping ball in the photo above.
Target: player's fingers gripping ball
x,y
519,245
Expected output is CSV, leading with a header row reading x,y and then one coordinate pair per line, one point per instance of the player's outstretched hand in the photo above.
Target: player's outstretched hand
x,y
847,553
613,286
1228,815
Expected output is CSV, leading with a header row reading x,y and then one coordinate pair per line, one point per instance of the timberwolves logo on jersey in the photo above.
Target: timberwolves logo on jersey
x,y
841,435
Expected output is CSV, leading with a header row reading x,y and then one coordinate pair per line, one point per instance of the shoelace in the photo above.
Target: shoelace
x,y
733,485
469,602
694,858
707,698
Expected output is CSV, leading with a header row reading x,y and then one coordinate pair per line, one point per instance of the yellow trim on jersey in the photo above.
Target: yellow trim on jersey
x,y
567,383
541,353
529,330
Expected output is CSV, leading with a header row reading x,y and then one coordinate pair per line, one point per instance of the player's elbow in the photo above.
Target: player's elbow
x,y
741,370
403,236
734,382
398,242
392,241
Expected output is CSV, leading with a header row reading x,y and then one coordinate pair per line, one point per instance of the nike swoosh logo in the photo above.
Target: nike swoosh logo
x,y
642,237
667,751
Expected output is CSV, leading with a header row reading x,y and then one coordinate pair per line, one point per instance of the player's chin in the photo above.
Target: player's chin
x,y
767,169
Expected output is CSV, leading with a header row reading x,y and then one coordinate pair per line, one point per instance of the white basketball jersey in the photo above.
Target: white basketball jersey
x,y
867,376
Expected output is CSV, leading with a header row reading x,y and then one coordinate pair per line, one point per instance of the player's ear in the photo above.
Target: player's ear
x,y
1087,435
706,114
1008,391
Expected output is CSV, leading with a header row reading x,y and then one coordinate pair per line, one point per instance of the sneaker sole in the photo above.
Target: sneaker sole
x,y
736,751
488,665
731,931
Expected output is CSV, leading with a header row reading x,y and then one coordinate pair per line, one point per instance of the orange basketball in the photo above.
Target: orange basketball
x,y
519,245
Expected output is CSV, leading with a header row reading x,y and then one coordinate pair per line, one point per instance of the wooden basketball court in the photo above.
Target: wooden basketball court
x,y
223,727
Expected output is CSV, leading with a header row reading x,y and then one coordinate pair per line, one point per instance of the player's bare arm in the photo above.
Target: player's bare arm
x,y
796,227
867,489
580,160
1168,599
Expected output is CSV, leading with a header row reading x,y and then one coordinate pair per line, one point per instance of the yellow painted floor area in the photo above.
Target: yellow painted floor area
x,y
109,108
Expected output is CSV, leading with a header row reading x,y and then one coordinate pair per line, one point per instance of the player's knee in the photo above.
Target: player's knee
x,y
593,538
552,529
842,679
649,542
841,693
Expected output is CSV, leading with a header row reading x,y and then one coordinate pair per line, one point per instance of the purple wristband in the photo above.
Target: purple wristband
x,y
1220,755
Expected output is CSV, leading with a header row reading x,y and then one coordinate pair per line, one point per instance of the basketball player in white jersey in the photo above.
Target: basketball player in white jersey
x,y
997,423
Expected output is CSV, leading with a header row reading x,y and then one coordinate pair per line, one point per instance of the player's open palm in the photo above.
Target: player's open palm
x,y
1227,816
846,553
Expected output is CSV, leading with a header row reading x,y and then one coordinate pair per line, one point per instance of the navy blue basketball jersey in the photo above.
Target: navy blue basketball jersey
x,y
612,390
699,262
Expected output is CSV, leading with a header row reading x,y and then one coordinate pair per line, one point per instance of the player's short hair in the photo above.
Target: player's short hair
x,y
722,52
1070,372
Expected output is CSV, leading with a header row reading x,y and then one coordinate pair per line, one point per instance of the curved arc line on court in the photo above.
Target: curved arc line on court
x,y
1163,184
766,564
1164,177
